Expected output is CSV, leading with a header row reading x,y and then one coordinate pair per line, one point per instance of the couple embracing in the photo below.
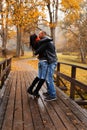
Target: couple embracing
x,y
43,46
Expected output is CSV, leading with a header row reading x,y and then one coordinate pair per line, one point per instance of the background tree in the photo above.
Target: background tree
x,y
4,17
24,16
75,17
52,8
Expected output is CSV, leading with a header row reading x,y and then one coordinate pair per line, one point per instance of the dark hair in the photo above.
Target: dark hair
x,y
32,40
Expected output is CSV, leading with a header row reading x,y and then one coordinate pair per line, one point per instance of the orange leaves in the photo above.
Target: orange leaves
x,y
73,4
25,15
71,9
72,16
52,25
11,34
16,65
33,63
18,14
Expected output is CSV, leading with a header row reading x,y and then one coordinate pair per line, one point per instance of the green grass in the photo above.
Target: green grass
x,y
72,59
1,59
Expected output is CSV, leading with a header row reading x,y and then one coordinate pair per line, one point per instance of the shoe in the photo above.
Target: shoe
x,y
48,98
46,94
29,91
37,95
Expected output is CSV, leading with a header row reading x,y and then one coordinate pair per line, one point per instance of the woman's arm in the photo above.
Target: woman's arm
x,y
41,49
44,40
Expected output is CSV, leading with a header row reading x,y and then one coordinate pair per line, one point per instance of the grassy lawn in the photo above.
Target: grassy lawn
x,y
72,59
1,59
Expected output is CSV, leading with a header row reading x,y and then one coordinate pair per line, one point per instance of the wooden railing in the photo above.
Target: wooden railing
x,y
5,67
74,83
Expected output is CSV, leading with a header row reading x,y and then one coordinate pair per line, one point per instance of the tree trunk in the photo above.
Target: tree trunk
x,y
53,14
4,36
18,42
82,53
53,34
20,46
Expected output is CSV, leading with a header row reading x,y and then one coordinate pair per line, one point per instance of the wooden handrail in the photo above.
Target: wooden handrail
x,y
76,66
72,79
5,67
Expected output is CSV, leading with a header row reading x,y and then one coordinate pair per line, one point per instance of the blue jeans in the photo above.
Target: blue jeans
x,y
46,71
49,79
42,69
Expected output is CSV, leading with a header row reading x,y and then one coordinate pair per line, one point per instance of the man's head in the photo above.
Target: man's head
x,y
42,34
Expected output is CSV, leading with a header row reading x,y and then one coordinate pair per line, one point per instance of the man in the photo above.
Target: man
x,y
49,61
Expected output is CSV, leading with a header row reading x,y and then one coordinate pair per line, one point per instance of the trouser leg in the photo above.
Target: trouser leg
x,y
50,81
39,85
35,81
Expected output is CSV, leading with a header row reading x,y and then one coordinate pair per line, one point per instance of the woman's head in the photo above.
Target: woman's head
x,y
33,38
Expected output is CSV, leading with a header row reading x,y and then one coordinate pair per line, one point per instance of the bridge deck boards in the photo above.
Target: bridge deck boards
x,y
20,111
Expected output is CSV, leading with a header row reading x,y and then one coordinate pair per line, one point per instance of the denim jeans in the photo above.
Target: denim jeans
x,y
49,79
46,71
42,69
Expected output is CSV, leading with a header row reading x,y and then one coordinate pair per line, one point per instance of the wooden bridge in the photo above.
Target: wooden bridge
x,y
19,111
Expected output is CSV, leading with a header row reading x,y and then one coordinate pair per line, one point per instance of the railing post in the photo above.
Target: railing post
x,y
58,70
4,76
72,87
5,68
9,65
0,74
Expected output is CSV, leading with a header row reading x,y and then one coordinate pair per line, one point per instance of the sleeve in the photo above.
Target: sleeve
x,y
40,49
44,40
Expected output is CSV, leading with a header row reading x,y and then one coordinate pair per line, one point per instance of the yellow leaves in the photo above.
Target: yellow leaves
x,y
11,34
72,16
23,15
10,22
33,63
71,4
71,9
18,14
51,25
10,2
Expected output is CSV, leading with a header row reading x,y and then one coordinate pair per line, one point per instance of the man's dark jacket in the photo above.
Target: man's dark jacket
x,y
46,50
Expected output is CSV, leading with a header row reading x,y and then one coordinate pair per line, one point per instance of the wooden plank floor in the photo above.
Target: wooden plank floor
x,y
20,111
